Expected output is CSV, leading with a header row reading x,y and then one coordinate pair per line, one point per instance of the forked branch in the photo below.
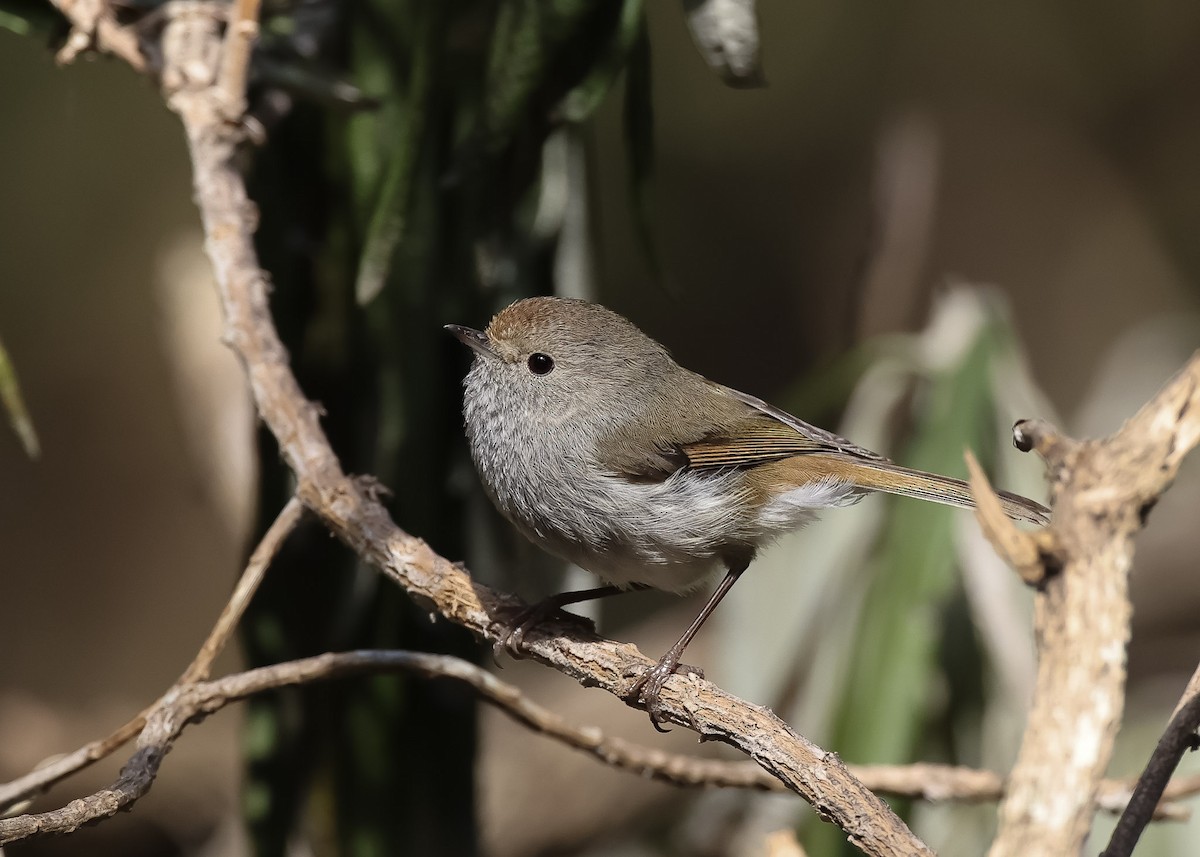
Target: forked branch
x,y
1102,490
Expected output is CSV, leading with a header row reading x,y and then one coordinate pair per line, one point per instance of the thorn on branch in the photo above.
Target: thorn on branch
x,y
373,488
1018,548
1043,438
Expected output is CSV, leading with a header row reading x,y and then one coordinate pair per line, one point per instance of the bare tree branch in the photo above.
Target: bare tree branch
x,y
240,37
260,560
1113,796
1102,490
934,783
364,525
40,779
188,703
191,701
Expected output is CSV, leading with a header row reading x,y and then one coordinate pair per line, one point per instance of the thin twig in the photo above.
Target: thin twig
x,y
40,779
945,783
191,702
1113,796
240,36
264,554
1179,737
37,781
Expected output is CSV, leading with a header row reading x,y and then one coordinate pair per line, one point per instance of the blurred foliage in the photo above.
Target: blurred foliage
x,y
378,226
912,681
32,18
888,695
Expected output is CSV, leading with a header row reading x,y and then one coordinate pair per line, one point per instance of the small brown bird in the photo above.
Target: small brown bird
x,y
602,450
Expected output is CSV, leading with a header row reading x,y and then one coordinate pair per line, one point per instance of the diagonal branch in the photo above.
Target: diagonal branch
x,y
1179,737
256,568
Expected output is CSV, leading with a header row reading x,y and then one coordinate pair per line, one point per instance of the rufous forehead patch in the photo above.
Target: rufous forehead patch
x,y
524,317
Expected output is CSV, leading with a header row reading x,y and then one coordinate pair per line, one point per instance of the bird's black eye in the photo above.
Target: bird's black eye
x,y
540,364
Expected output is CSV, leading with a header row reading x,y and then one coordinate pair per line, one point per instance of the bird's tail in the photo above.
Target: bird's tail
x,y
893,479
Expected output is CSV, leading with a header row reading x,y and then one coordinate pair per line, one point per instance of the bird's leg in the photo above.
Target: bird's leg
x,y
648,687
514,641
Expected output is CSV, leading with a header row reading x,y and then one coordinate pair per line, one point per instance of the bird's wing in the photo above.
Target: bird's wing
x,y
743,432
759,439
766,434
827,441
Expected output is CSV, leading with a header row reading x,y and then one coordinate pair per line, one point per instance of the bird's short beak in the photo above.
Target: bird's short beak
x,y
474,339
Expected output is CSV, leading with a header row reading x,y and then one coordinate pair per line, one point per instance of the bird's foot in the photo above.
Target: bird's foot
x,y
648,688
513,642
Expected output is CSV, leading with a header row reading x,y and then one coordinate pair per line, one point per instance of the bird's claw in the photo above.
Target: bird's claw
x,y
511,644
647,689
499,648
512,640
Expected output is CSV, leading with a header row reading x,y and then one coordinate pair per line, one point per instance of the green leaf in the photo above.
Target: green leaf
x,y
530,40
30,17
389,219
18,415
628,38
888,696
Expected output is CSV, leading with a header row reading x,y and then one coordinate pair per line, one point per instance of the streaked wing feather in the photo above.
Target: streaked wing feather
x,y
758,440
770,434
733,429
827,439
